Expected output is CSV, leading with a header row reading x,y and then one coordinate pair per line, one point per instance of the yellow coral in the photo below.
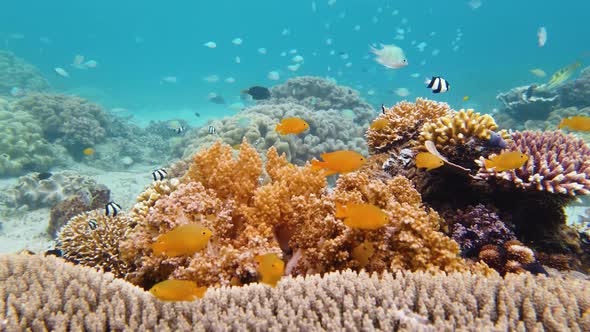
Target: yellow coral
x,y
458,128
403,122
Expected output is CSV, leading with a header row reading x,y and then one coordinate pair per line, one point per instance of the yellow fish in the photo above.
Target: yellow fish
x,y
363,252
506,161
88,151
428,160
379,124
342,161
177,290
292,126
579,123
465,98
538,72
182,241
362,216
562,75
271,268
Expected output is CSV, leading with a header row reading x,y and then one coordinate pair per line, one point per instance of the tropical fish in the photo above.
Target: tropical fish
x,y
428,160
179,130
465,98
61,72
88,151
578,123
257,92
538,72
402,92
562,75
271,268
159,174
216,99
170,79
542,36
437,84
390,56
379,124
92,224
177,290
292,126
273,75
210,44
237,41
211,130
44,175
363,252
182,241
112,209
506,161
362,216
342,161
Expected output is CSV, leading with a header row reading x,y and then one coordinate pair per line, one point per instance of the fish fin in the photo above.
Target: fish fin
x,y
488,163
280,129
340,211
562,124
329,172
317,165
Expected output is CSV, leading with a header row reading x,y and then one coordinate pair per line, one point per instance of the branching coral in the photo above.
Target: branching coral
x,y
92,239
403,122
558,163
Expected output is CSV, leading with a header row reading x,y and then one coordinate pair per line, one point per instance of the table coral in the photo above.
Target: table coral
x,y
558,163
404,121
17,73
22,145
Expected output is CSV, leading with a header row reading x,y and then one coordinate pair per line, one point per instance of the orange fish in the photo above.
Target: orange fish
x,y
177,290
379,124
506,161
342,161
88,151
182,241
271,268
363,252
292,126
428,160
363,216
578,123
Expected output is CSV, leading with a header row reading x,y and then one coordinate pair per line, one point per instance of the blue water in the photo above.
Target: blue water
x,y
137,43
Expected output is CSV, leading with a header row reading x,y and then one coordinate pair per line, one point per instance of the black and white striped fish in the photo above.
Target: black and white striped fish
x,y
383,108
111,209
159,174
92,224
437,84
179,130
211,130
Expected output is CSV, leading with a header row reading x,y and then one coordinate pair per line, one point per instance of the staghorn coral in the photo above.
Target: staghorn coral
x,y
317,93
22,145
80,298
71,121
328,131
404,121
93,239
16,72
558,163
477,226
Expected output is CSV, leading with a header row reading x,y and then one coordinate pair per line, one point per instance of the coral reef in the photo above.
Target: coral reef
x,y
404,121
80,298
317,93
22,145
32,193
477,226
558,163
92,239
328,131
71,121
576,92
17,73
511,257
84,200
528,102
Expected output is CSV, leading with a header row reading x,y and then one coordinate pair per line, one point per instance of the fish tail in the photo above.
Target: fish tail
x,y
562,124
280,129
488,163
317,165
340,211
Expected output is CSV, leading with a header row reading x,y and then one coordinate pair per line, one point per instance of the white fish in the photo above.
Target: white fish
x,y
474,4
210,44
91,64
329,41
437,84
421,46
286,32
331,2
415,75
344,56
402,92
371,92
159,174
314,7
348,64
297,58
395,12
435,52
294,67
283,53
390,56
273,76
211,130
237,41
262,50
211,78
61,72
237,59
78,60
332,52
357,27
237,106
170,79
230,80
374,19
293,51
542,36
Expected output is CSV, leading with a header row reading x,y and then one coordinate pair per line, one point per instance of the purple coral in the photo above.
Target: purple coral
x,y
558,163
477,226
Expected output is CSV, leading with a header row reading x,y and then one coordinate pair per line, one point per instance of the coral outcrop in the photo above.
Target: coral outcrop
x,y
528,102
17,73
576,92
403,123
329,131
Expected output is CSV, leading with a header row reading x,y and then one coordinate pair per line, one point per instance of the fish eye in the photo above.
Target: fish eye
x,y
204,233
